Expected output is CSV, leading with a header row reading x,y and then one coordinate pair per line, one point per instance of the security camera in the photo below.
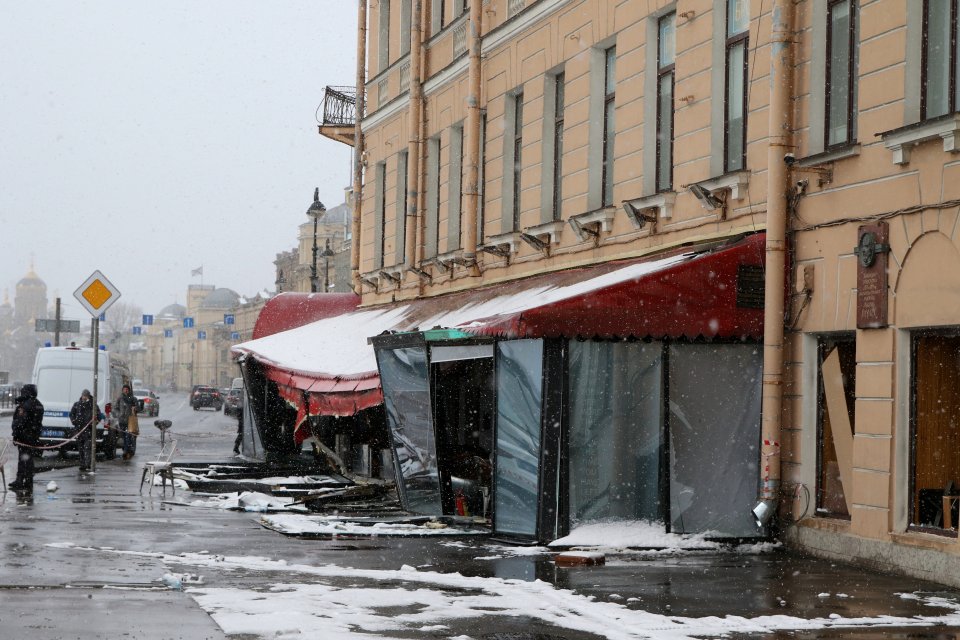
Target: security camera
x,y
789,159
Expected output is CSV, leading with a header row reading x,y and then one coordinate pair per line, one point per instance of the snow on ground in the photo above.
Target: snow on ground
x,y
633,534
244,501
340,526
350,603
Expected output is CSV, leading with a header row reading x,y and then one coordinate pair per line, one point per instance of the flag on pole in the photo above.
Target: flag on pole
x,y
197,272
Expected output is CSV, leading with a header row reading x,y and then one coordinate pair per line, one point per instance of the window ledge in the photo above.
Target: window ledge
x,y
549,231
736,183
592,223
661,202
901,141
830,155
448,260
392,274
502,243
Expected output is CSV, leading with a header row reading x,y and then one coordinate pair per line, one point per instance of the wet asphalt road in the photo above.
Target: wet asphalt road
x,y
53,592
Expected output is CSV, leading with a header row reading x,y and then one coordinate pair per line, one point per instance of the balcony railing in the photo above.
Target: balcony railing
x,y
339,106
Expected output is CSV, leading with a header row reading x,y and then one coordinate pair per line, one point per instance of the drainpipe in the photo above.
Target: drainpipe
x,y
420,223
413,128
780,125
471,189
358,145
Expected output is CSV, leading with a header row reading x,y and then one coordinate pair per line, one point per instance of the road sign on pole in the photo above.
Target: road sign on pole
x,y
147,320
96,295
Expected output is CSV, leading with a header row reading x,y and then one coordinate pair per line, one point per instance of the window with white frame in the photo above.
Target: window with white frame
x,y
383,31
380,218
939,75
401,206
516,169
666,59
841,73
735,112
609,123
432,223
556,203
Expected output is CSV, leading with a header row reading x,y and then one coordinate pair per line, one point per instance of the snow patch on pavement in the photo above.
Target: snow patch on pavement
x,y
295,524
356,603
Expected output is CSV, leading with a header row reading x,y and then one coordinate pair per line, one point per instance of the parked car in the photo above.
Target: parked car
x,y
204,396
147,402
233,404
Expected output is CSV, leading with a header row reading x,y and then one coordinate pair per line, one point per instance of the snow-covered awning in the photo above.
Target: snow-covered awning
x,y
708,291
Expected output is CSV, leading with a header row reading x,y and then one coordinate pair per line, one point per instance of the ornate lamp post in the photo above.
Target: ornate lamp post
x,y
316,211
327,252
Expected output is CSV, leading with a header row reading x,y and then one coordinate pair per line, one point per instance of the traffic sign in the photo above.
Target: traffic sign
x,y
168,333
228,318
235,335
96,294
137,331
147,320
201,335
50,324
188,323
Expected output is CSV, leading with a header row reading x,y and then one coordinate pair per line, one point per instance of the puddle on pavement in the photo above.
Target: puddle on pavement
x,y
83,500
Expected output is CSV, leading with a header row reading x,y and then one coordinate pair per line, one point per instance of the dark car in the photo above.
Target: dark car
x,y
204,396
147,402
233,404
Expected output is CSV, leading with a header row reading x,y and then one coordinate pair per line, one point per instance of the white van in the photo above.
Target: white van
x,y
60,374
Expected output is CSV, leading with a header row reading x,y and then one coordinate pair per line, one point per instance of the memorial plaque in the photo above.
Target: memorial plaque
x,y
872,251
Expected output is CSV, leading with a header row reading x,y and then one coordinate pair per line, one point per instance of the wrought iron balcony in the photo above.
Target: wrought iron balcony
x,y
339,109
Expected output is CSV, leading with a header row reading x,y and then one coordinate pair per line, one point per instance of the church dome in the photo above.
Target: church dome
x,y
174,310
32,281
221,299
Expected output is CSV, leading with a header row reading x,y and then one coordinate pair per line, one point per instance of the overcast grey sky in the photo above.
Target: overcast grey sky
x,y
146,139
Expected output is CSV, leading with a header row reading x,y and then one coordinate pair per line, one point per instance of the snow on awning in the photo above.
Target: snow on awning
x,y
690,293
290,310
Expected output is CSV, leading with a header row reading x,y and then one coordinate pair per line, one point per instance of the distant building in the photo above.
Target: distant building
x,y
293,267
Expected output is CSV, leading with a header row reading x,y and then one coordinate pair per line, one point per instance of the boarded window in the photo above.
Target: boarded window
x,y
835,427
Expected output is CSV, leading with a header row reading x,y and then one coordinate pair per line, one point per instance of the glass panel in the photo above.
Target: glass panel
x,y
838,84
735,115
937,71
667,39
665,132
615,415
519,401
738,16
714,438
610,82
406,398
609,120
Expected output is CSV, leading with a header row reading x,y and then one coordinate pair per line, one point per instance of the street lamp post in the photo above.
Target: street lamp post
x,y
316,212
327,252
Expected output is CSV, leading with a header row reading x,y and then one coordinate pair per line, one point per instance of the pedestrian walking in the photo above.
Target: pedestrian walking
x,y
27,422
82,416
126,406
239,440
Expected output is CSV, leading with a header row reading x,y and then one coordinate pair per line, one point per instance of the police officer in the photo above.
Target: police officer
x,y
27,422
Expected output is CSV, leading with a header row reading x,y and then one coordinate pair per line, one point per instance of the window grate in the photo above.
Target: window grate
x,y
750,286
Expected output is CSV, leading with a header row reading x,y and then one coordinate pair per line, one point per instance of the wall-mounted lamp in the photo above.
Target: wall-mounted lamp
x,y
534,242
640,217
420,273
709,201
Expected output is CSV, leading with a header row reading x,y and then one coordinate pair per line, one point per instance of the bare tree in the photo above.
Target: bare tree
x,y
115,331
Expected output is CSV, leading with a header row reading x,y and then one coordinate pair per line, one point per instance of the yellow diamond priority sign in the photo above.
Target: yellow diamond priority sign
x,y
97,294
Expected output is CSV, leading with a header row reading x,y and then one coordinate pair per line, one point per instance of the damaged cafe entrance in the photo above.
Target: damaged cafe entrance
x,y
628,393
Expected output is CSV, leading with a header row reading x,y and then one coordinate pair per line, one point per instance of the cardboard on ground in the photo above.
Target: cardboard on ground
x,y
96,294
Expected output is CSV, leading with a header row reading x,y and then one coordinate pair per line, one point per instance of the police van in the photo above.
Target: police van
x,y
61,374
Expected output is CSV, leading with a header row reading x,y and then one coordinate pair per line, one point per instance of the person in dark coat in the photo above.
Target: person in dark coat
x,y
27,422
81,417
125,406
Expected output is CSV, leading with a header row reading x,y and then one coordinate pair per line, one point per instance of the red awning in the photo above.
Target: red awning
x,y
711,291
290,310
716,293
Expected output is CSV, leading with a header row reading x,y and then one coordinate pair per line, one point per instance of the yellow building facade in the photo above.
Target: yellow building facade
x,y
600,130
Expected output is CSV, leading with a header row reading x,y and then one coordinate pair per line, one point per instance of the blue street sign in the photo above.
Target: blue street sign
x,y
137,331
201,335
103,317
235,335
228,318
188,323
47,344
168,333
147,320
